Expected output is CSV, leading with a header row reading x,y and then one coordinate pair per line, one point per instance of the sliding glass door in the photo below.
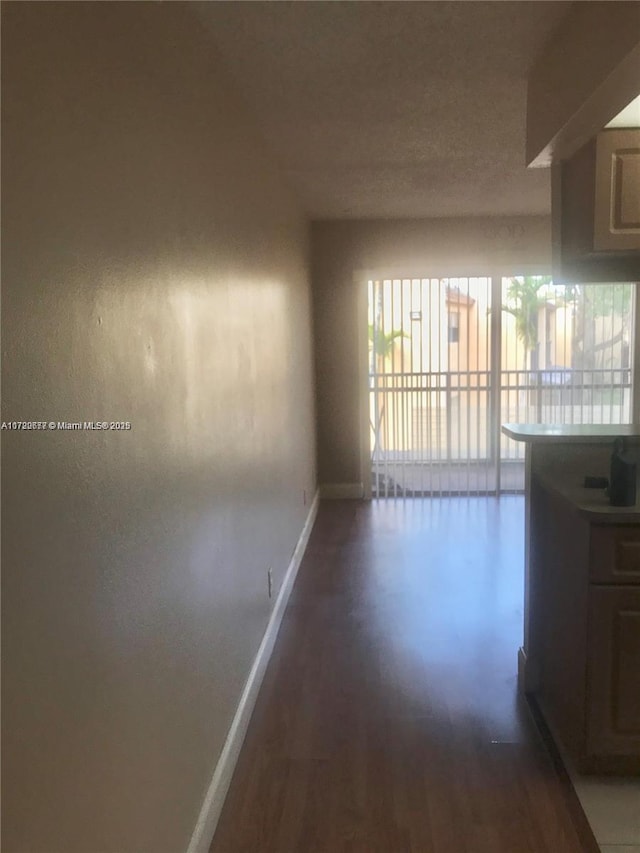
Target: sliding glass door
x,y
439,391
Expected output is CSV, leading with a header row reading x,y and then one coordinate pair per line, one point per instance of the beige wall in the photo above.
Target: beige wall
x,y
345,254
154,271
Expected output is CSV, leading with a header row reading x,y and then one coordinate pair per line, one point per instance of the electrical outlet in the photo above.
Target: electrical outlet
x,y
270,581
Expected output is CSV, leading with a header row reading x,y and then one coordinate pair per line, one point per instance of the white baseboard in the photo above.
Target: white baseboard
x,y
342,491
528,676
522,669
214,800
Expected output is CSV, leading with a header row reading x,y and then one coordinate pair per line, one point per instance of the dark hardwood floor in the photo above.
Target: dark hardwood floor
x,y
388,720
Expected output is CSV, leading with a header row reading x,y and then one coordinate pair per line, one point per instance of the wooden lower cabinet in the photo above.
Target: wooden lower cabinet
x,y
613,674
585,633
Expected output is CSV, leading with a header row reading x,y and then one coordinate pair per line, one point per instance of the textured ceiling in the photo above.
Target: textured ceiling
x,y
392,109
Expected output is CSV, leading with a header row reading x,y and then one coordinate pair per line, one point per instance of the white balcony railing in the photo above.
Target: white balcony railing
x,y
434,432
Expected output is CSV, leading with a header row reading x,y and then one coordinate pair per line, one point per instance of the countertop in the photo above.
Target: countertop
x,y
592,504
573,434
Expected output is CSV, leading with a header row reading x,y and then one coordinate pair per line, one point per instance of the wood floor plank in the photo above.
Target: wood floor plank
x,y
389,720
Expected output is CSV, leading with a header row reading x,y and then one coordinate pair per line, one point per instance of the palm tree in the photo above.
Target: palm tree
x,y
381,349
524,301
382,344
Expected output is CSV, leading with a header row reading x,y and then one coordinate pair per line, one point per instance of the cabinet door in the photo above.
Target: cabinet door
x,y
615,554
617,194
613,672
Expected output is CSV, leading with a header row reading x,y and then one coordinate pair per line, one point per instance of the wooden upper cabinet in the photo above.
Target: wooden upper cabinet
x,y
596,210
617,191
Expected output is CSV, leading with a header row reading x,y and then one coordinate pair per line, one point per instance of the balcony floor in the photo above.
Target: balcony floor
x,y
402,478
